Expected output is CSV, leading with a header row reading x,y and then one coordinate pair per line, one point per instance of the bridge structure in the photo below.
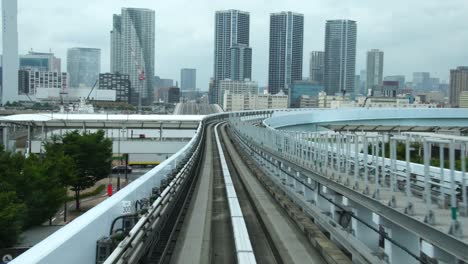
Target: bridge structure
x,y
315,186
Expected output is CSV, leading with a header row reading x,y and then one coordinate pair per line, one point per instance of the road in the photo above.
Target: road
x,y
88,203
195,109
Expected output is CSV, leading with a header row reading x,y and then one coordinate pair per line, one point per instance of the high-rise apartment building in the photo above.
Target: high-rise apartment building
x,y
232,54
458,84
374,69
116,44
361,89
188,79
340,56
10,62
357,85
40,61
83,66
286,50
132,51
118,82
316,66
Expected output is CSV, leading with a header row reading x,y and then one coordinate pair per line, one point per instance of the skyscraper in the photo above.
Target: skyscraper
x,y
83,66
374,69
116,45
132,51
421,80
286,47
188,79
458,84
232,54
241,62
316,66
340,56
10,62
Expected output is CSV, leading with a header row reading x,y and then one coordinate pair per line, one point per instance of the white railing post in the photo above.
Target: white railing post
x,y
429,217
409,205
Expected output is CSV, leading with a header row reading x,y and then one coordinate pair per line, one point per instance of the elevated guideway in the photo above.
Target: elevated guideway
x,y
192,108
334,188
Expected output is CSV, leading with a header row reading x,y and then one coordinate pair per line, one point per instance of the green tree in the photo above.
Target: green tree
x,y
12,216
12,208
92,156
31,190
43,189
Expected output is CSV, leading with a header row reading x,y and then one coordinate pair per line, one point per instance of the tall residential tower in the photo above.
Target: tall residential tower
x,y
132,51
374,69
10,61
286,47
232,54
316,66
458,84
340,56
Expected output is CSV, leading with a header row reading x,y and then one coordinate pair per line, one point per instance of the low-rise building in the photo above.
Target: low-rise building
x,y
118,82
325,101
306,101
392,102
463,99
240,102
236,87
173,95
31,80
299,88
390,88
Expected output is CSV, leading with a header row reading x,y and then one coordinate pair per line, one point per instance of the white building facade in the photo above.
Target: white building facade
x,y
10,61
240,102
236,87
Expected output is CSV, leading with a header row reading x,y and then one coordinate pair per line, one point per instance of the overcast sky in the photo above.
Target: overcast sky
x,y
416,35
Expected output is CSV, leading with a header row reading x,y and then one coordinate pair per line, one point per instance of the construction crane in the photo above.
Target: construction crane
x,y
92,89
141,77
369,94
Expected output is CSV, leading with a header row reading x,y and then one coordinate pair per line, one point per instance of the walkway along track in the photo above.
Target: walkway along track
x,y
286,239
329,251
213,235
243,209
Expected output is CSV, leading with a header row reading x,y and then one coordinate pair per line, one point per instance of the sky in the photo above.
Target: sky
x,y
415,35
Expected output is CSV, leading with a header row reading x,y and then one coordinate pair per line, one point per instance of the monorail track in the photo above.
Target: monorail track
x,y
272,236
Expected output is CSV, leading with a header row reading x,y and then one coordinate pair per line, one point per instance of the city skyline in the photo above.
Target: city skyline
x,y
376,31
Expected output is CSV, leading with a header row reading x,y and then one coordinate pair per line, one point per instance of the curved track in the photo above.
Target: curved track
x,y
207,236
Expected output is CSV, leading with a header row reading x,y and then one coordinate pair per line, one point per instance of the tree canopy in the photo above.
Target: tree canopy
x,y
31,191
91,154
33,188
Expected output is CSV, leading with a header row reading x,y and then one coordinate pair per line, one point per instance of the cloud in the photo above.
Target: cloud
x,y
418,35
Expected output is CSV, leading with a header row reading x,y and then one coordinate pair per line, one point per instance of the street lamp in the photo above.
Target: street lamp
x,y
123,130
